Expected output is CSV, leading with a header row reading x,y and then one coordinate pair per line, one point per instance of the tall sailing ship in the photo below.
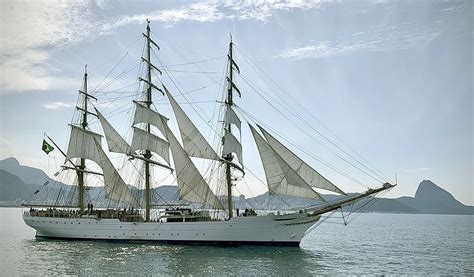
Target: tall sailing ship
x,y
199,214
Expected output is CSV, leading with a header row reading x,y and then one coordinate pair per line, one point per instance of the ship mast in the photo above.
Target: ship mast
x,y
229,157
82,166
149,101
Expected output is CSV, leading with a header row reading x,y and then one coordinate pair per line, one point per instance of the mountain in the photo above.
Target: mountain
x,y
18,182
430,198
29,175
13,188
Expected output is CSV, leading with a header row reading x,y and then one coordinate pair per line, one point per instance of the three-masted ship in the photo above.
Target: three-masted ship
x,y
154,144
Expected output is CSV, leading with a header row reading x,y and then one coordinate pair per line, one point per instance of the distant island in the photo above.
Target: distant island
x,y
19,182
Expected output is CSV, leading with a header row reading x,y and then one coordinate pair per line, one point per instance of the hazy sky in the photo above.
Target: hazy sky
x,y
393,80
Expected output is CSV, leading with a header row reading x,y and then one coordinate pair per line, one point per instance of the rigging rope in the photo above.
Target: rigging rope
x,y
253,65
314,156
304,131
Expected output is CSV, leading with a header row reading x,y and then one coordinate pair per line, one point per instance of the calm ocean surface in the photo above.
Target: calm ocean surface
x,y
373,244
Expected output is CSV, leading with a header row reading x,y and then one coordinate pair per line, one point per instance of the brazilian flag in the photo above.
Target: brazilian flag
x,y
46,147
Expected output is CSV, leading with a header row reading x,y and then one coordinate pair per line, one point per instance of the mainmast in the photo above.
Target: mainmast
x,y
149,101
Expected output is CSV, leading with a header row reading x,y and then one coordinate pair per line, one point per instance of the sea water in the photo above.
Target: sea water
x,y
370,244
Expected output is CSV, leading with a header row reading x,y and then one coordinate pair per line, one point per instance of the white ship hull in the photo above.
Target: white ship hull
x,y
271,229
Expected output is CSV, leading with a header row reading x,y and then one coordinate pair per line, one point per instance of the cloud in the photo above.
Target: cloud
x,y
382,38
263,10
30,32
36,28
212,11
200,12
57,105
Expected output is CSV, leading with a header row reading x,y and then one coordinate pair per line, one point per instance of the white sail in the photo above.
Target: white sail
x,y
82,144
232,145
115,187
115,142
142,140
192,186
232,118
281,178
311,176
87,144
144,114
194,143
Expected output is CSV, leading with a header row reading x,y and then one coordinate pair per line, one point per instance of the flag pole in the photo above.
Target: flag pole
x,y
60,150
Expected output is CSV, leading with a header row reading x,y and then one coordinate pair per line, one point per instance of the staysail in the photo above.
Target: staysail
x,y
311,176
115,187
115,142
281,178
194,142
192,186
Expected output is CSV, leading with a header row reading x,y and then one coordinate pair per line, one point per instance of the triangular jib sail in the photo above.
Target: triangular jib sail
x,y
311,176
281,178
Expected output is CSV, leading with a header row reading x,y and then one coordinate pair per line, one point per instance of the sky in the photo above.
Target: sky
x,y
388,82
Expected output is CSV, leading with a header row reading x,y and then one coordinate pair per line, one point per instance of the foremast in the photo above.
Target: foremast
x,y
84,124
